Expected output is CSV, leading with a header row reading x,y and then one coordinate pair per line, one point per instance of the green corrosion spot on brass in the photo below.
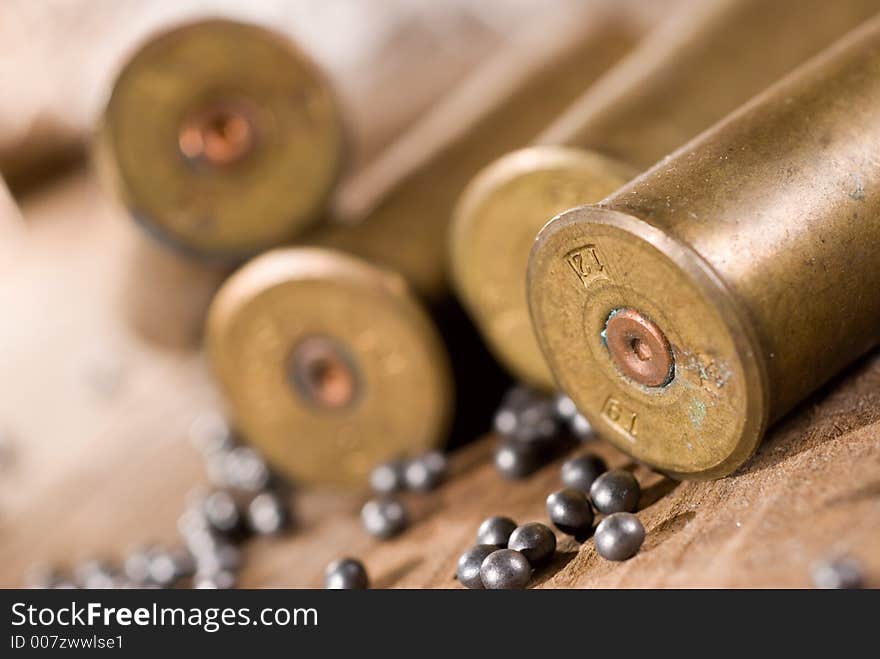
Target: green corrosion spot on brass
x,y
697,412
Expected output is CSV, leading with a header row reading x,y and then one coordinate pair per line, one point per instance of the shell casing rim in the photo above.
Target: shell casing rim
x,y
717,300
528,167
378,291
287,220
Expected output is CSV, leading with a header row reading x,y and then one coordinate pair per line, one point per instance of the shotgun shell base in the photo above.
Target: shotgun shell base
x,y
495,225
328,364
647,342
221,139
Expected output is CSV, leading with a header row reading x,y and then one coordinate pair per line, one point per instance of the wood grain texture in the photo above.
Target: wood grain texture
x,y
100,460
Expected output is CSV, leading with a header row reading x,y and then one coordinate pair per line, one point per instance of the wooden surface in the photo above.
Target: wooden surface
x,y
100,461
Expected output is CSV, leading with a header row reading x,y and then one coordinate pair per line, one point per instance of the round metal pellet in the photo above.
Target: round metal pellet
x,y
384,518
616,491
240,147
267,514
565,407
838,573
515,460
387,477
581,427
580,472
209,433
95,574
495,531
222,513
569,510
329,364
425,472
535,541
163,569
469,564
136,566
220,557
245,469
619,536
527,415
505,569
222,580
346,574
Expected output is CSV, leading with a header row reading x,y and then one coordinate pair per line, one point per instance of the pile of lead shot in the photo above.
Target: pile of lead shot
x,y
386,515
247,499
532,429
590,485
506,555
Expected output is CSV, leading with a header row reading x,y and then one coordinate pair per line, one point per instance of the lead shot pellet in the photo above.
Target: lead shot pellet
x,y
526,415
425,472
515,460
346,574
387,477
222,512
210,433
505,569
168,567
245,469
495,531
581,428
616,491
96,574
842,572
565,407
222,580
384,518
581,471
469,564
267,514
535,541
569,509
619,536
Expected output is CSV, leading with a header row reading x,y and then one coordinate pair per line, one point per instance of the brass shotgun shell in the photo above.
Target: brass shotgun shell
x,y
503,104
686,75
753,250
221,138
329,365
404,408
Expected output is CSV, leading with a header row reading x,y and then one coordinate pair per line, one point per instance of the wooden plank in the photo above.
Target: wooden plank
x,y
98,423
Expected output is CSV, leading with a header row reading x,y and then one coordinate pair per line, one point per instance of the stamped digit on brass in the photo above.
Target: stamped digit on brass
x,y
587,263
621,416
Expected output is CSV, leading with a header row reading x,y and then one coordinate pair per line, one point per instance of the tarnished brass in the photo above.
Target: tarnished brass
x,y
686,75
329,364
503,105
221,138
754,251
396,403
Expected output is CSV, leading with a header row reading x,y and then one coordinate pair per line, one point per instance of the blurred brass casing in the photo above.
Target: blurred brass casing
x,y
503,104
753,250
686,75
221,138
329,365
